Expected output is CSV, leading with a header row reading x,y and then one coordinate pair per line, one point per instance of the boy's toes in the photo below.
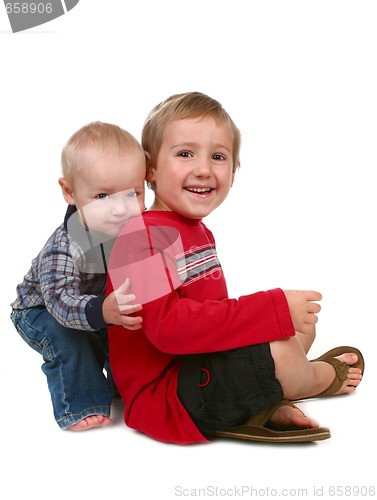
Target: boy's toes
x,y
288,416
90,422
349,358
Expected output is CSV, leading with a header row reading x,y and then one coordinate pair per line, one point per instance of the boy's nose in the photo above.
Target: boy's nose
x,y
120,206
203,168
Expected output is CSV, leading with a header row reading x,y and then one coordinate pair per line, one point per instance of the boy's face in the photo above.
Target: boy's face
x,y
108,189
193,171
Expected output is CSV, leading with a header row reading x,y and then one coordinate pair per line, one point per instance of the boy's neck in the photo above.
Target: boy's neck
x,y
156,205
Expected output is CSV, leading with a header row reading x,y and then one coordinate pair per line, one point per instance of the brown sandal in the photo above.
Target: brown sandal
x,y
341,368
258,429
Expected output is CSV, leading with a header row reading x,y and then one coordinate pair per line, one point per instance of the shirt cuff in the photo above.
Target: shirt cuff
x,y
93,311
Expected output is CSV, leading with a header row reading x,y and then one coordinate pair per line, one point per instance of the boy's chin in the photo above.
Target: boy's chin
x,y
105,233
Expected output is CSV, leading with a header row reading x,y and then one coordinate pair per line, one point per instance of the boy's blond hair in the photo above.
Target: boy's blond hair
x,y
98,136
180,106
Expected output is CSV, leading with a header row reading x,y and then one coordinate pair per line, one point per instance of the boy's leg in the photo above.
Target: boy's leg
x,y
107,367
99,347
306,340
223,389
301,378
73,364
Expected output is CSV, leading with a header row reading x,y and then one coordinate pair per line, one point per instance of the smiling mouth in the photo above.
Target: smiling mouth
x,y
199,190
117,222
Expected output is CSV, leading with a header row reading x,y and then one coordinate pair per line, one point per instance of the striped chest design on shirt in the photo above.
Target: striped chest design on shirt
x,y
197,263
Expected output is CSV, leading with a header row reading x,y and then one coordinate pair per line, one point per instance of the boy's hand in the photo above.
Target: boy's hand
x,y
118,305
303,309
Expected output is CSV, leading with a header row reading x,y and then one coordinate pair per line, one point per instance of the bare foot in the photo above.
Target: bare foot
x,y
287,416
90,423
354,374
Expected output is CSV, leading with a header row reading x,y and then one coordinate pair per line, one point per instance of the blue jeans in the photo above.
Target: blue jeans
x,y
73,364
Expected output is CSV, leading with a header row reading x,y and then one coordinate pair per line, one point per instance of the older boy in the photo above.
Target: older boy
x,y
204,363
61,310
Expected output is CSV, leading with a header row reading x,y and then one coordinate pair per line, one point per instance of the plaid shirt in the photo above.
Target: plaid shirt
x,y
67,280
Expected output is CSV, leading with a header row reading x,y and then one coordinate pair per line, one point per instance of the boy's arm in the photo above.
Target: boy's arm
x,y
180,325
62,284
183,326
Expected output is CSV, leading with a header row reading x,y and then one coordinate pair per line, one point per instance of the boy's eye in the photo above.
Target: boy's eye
x,y
218,156
185,154
102,196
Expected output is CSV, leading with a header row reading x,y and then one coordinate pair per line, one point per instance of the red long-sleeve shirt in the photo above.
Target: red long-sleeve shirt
x,y
175,273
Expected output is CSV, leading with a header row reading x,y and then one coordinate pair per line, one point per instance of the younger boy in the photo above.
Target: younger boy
x,y
204,363
61,310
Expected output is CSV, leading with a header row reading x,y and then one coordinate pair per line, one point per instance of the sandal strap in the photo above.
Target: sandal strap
x,y
341,373
261,419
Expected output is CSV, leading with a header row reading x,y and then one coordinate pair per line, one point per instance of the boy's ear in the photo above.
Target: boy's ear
x,y
67,191
231,184
149,176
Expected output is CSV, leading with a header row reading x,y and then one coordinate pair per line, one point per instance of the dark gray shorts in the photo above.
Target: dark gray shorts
x,y
223,389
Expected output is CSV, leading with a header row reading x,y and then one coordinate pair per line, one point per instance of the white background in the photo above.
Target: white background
x,y
299,78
